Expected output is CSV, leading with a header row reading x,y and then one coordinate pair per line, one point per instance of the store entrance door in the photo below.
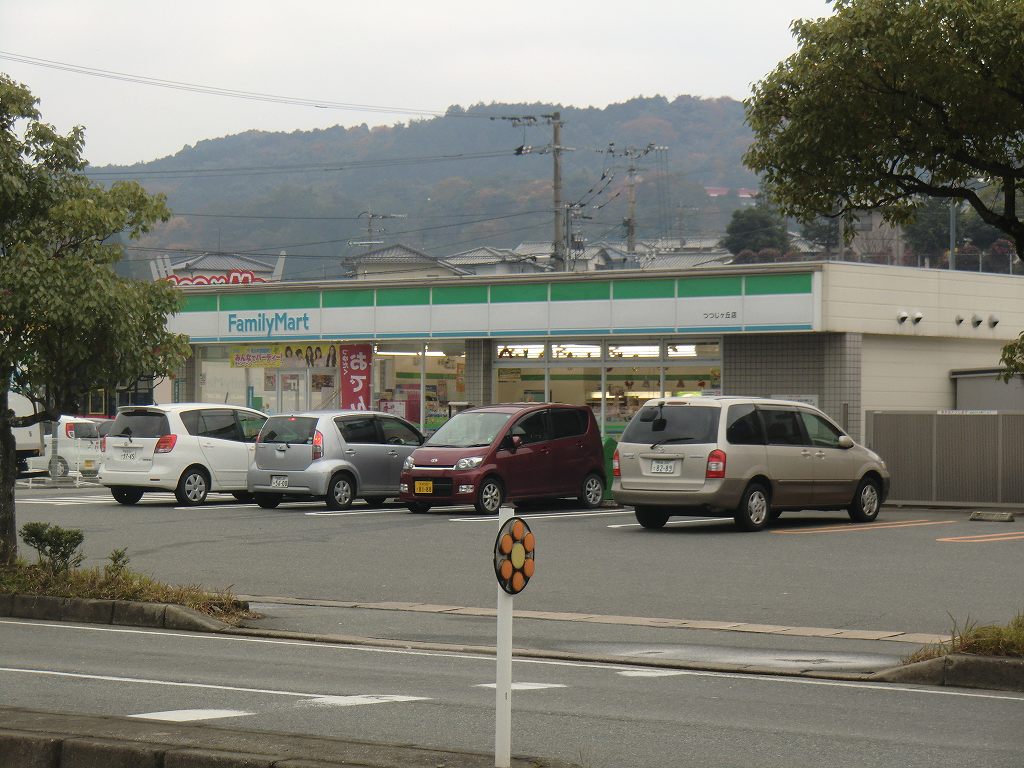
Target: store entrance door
x,y
284,391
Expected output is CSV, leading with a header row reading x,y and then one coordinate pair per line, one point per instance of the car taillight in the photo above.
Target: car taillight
x,y
69,430
318,445
615,464
716,465
103,444
165,444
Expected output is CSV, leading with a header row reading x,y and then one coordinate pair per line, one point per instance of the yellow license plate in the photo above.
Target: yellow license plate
x,y
424,486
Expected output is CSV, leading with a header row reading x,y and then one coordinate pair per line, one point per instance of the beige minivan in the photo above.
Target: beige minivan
x,y
752,458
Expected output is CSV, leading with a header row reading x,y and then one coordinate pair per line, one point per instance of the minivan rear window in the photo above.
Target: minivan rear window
x,y
85,429
288,429
673,424
140,424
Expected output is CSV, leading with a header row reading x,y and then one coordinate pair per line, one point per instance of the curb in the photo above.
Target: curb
x,y
953,670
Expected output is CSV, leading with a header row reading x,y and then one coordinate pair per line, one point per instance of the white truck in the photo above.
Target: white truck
x,y
28,440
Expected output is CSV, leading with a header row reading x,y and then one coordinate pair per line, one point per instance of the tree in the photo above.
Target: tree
x,y
888,100
927,232
754,229
68,323
824,232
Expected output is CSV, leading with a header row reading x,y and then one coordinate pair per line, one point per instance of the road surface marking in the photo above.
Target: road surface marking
x,y
340,513
688,521
986,538
355,701
486,659
650,672
188,715
866,527
366,699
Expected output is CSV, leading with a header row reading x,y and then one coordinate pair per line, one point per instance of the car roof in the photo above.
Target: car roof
x,y
176,407
331,413
517,407
717,401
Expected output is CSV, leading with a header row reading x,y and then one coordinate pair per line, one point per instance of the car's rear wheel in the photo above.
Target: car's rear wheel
x,y
376,501
267,500
592,491
193,487
417,507
126,496
752,513
243,496
340,492
651,517
489,497
867,502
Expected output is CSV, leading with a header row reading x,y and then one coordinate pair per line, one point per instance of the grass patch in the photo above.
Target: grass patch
x,y
987,640
58,574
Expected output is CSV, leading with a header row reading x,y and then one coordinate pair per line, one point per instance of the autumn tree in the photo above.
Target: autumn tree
x,y
68,323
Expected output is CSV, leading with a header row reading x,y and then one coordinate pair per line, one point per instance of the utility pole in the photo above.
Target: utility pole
x,y
631,216
370,216
555,118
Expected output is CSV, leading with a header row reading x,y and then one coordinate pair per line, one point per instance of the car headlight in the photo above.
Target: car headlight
x,y
471,462
408,463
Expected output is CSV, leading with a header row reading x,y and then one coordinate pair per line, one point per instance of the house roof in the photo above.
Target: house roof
x,y
221,262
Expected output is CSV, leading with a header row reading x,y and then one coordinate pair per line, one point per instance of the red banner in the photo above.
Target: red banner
x,y
356,363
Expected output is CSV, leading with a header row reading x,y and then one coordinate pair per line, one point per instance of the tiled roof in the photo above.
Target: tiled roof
x,y
392,254
221,262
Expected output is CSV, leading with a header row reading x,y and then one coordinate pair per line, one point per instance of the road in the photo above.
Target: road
x,y
598,715
911,571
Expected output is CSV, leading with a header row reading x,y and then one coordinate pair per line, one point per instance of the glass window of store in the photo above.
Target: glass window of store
x,y
422,383
613,377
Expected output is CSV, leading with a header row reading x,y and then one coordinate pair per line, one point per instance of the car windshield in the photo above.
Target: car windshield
x,y
140,424
658,425
288,429
469,429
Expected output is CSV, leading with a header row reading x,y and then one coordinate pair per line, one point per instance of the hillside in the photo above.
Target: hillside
x,y
456,182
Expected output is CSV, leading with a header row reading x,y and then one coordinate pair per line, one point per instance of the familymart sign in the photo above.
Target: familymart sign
x,y
507,309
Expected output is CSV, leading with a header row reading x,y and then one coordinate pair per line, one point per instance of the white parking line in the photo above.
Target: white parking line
x,y
341,513
190,715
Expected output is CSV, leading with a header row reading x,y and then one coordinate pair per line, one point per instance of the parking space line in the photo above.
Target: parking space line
x,y
986,538
866,526
342,513
540,515
687,521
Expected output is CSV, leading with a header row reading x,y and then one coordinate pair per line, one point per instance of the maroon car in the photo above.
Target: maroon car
x,y
511,452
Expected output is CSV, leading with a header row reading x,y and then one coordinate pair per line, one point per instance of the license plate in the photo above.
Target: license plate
x,y
660,466
279,481
129,455
424,486
88,464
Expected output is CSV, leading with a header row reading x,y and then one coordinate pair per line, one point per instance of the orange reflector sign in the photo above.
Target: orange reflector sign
x,y
514,551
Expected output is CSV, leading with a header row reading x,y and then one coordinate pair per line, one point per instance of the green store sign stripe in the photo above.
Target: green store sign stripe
x,y
587,290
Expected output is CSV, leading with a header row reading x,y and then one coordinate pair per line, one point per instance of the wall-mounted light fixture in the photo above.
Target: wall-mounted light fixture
x,y
993,321
959,319
917,317
975,320
902,317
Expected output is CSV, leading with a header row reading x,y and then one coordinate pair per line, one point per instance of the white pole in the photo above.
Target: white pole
x,y
503,679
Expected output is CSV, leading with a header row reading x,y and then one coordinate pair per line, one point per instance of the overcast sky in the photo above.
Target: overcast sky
x,y
394,54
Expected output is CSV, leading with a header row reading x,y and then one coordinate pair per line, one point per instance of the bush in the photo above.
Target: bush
x,y
987,640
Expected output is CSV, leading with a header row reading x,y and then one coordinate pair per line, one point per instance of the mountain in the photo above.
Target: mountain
x,y
472,177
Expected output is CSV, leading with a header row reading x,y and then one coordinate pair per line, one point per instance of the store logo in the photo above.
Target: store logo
x,y
268,323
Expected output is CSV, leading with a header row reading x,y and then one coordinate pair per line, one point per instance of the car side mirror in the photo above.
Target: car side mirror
x,y
511,442
845,441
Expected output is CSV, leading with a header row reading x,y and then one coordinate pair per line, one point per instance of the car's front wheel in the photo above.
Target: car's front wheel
x,y
651,517
193,487
867,502
376,501
59,467
754,509
417,507
243,496
340,492
592,491
126,496
489,497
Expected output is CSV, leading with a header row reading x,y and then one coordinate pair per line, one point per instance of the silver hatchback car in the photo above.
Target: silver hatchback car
x,y
751,458
337,456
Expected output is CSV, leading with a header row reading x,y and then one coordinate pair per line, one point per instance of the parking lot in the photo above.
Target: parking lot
x,y
914,570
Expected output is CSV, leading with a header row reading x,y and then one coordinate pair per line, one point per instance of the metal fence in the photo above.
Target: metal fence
x,y
962,458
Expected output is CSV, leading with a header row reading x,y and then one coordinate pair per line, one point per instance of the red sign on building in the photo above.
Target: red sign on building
x,y
356,363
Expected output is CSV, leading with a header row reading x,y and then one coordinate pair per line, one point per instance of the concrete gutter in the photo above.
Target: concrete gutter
x,y
37,739
956,670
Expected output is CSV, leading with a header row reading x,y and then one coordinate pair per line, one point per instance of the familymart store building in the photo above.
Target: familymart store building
x,y
827,333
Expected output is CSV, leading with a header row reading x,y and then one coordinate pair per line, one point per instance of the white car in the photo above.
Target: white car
x,y
188,448
77,448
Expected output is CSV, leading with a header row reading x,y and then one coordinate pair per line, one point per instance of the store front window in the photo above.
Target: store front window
x,y
424,384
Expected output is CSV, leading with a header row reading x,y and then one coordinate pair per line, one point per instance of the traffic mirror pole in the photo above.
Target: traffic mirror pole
x,y
503,680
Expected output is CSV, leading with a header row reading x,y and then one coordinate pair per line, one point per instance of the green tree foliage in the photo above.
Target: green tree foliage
x,y
68,323
927,233
825,232
888,100
755,229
